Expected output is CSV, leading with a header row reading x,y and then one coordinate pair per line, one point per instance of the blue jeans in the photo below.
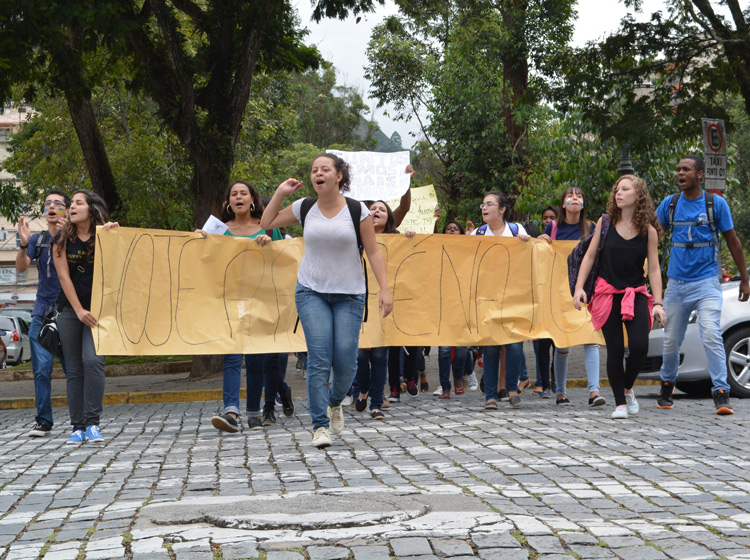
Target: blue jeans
x,y
680,299
444,364
513,365
331,323
41,363
372,368
591,353
233,379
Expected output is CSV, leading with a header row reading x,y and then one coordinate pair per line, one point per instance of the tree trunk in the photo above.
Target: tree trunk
x,y
92,145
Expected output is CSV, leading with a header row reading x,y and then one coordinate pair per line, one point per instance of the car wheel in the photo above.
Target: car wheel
x,y
20,358
4,362
737,346
700,388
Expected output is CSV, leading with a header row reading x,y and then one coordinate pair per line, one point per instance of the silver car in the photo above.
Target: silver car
x,y
16,338
692,375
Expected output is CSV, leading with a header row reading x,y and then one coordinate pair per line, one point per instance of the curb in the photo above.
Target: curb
x,y
115,370
132,397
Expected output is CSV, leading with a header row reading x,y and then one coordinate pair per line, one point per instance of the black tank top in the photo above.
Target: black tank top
x,y
621,262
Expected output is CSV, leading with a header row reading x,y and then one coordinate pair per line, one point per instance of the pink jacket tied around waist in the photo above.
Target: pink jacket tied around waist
x,y
601,303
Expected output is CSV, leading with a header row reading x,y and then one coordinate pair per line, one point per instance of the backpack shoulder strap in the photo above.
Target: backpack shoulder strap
x,y
553,233
481,230
307,204
672,207
513,228
355,209
41,242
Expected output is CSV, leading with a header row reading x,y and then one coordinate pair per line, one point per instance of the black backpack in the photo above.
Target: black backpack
x,y
716,243
355,210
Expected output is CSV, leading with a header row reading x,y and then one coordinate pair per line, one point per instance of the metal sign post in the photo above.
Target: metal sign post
x,y
715,152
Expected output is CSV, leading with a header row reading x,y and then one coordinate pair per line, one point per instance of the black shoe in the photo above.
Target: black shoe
x,y
665,395
394,396
721,400
255,423
40,430
287,403
424,386
225,423
481,384
411,388
269,418
503,396
598,400
360,404
377,415
563,401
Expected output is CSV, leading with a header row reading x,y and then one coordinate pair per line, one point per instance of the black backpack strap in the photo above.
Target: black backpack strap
x,y
42,241
307,203
355,209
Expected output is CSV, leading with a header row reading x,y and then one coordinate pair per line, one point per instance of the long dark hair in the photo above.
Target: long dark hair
x,y
98,215
583,223
390,222
504,202
257,212
341,167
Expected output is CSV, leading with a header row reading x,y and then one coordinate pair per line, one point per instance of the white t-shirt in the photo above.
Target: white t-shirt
x,y
506,231
331,263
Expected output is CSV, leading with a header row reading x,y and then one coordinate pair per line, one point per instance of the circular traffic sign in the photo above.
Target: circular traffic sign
x,y
714,137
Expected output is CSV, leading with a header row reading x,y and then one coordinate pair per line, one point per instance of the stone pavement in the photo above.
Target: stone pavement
x,y
437,479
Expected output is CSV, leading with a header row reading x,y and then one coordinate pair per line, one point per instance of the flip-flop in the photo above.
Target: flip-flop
x,y
525,384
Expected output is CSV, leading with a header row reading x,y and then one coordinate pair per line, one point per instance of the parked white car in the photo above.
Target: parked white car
x,y
692,375
15,335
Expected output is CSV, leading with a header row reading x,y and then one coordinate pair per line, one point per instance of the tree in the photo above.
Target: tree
x,y
651,81
462,69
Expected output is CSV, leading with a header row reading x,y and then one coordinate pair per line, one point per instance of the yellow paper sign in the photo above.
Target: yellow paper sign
x,y
161,292
421,215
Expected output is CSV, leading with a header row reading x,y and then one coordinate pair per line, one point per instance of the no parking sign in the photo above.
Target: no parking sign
x,y
715,154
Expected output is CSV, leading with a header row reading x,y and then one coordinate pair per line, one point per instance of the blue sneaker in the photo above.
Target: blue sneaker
x,y
77,438
93,434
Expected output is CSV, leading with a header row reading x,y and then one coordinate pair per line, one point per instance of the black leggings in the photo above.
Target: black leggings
x,y
394,365
621,378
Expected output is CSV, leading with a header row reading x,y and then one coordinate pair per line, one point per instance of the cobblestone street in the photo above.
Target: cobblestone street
x,y
437,479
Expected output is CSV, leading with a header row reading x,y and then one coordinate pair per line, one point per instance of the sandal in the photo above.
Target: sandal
x,y
525,384
490,405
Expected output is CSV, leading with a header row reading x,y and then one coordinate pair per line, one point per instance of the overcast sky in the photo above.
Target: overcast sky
x,y
344,43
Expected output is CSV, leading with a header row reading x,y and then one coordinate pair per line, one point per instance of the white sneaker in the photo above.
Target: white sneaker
x,y
438,391
348,400
336,414
632,405
620,413
321,438
471,381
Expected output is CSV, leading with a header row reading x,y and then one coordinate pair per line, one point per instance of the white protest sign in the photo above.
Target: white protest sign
x,y
421,215
376,175
715,154
215,226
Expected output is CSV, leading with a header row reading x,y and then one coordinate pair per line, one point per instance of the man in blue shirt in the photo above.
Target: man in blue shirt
x,y
39,247
694,279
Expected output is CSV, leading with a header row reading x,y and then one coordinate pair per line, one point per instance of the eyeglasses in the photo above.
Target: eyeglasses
x,y
487,205
55,203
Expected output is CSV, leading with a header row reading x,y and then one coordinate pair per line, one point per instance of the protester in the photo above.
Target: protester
x,y
37,247
74,262
383,220
454,356
574,226
330,305
695,218
241,212
620,294
495,209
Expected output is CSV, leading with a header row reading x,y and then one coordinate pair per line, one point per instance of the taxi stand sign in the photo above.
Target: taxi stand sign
x,y
715,152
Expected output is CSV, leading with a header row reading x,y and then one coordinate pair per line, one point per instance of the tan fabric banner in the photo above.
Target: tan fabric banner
x,y
164,292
